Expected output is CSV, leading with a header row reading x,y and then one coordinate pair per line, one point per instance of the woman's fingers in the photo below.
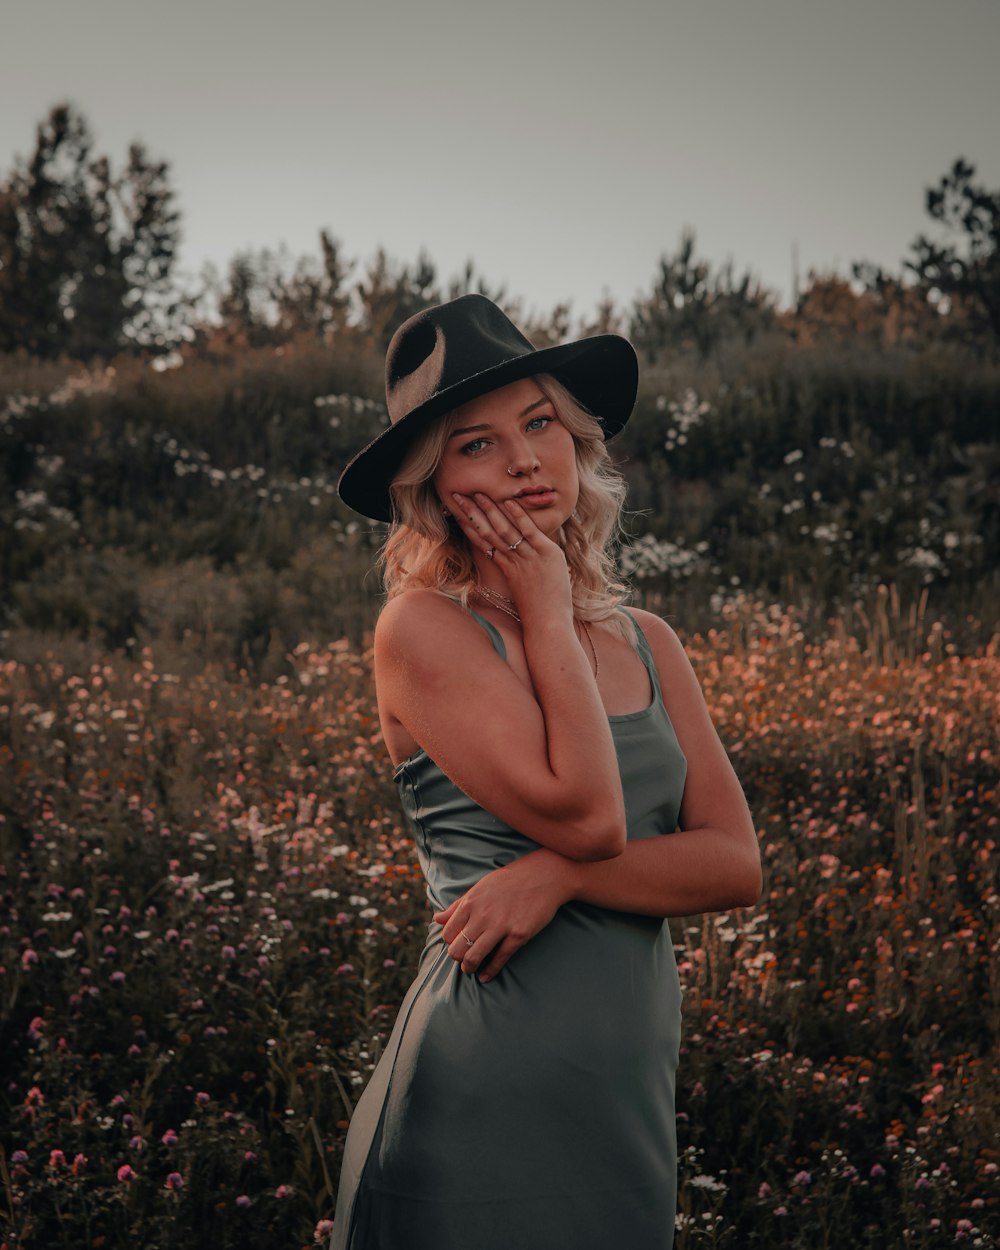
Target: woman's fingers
x,y
502,527
442,917
475,526
499,958
470,952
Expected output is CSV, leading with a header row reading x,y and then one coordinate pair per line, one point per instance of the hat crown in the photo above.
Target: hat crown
x,y
442,346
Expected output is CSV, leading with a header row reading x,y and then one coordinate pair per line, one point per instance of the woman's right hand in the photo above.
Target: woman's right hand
x,y
535,569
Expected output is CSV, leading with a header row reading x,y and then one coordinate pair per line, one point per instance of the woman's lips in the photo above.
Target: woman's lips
x,y
537,499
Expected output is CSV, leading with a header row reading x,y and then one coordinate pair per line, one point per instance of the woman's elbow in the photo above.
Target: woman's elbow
x,y
599,839
751,879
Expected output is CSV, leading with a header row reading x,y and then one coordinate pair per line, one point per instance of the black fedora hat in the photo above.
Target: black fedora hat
x,y
452,353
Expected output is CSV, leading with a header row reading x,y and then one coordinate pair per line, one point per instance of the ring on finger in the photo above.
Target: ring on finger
x,y
514,546
467,938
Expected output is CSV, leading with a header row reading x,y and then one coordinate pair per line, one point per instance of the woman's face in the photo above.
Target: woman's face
x,y
515,428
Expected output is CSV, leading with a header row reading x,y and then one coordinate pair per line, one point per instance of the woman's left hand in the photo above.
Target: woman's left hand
x,y
504,910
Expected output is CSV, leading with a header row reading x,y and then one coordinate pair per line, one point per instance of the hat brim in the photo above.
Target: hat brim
x,y
601,372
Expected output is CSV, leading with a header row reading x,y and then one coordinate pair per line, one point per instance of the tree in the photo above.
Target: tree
x,y
469,282
388,294
689,306
960,273
86,256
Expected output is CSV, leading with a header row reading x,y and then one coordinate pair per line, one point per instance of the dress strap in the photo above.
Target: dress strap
x,y
495,637
494,634
645,654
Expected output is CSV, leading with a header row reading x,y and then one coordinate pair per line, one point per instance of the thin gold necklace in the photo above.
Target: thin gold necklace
x,y
507,605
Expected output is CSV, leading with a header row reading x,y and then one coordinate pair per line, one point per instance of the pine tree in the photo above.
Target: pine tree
x,y
86,256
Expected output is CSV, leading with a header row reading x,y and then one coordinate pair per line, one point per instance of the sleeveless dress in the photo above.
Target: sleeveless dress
x,y
535,1112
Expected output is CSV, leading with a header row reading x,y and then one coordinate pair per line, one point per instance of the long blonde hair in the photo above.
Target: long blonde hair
x,y
424,550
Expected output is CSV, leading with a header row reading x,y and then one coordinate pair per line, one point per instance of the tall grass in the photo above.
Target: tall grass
x,y
211,909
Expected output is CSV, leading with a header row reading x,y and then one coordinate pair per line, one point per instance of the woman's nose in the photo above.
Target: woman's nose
x,y
523,461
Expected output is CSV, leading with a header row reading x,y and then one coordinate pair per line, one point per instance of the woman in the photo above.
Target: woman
x,y
544,739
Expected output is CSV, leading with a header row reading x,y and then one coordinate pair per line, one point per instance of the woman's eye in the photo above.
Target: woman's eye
x,y
471,449
539,423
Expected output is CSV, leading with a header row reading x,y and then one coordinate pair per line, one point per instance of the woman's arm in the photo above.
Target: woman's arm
x,y
542,761
711,864
682,874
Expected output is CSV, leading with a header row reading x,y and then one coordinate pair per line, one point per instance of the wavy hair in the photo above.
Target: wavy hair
x,y
426,549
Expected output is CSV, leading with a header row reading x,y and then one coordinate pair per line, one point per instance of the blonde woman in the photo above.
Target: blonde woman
x,y
566,790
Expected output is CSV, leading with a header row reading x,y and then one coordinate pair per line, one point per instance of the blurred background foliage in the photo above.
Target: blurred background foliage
x,y
169,456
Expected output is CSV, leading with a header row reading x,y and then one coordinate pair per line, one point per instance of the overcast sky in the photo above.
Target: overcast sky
x,y
562,145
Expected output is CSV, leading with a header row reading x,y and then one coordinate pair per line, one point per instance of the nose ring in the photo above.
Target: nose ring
x,y
511,474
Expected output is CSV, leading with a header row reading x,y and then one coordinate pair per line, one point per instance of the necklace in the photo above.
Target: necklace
x,y
503,604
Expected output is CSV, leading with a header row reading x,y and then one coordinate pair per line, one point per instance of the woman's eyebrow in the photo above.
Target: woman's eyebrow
x,y
469,429
476,429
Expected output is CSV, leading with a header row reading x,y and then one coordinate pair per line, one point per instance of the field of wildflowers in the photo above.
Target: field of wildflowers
x,y
210,910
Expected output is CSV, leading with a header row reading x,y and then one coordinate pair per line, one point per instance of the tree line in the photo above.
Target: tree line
x,y
88,258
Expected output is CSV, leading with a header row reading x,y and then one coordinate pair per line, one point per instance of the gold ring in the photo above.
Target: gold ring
x,y
514,546
467,938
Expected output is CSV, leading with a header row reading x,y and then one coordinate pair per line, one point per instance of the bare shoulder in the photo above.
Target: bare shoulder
x,y
668,650
419,627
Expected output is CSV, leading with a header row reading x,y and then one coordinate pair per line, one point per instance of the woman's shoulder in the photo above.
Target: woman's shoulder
x,y
655,628
424,622
668,650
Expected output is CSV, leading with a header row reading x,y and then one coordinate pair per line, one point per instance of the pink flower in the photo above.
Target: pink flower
x,y
36,1028
877,1171
169,1137
284,1191
201,1098
126,1174
764,1190
174,1181
322,1230
79,1163
242,1201
117,978
28,958
802,1178
780,1210
57,1159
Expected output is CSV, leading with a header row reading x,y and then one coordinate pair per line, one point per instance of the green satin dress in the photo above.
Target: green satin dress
x,y
535,1112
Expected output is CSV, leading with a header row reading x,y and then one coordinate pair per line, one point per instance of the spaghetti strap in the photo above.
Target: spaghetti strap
x,y
641,645
646,655
495,636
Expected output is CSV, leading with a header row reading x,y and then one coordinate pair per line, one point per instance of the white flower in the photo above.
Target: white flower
x,y
707,1182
